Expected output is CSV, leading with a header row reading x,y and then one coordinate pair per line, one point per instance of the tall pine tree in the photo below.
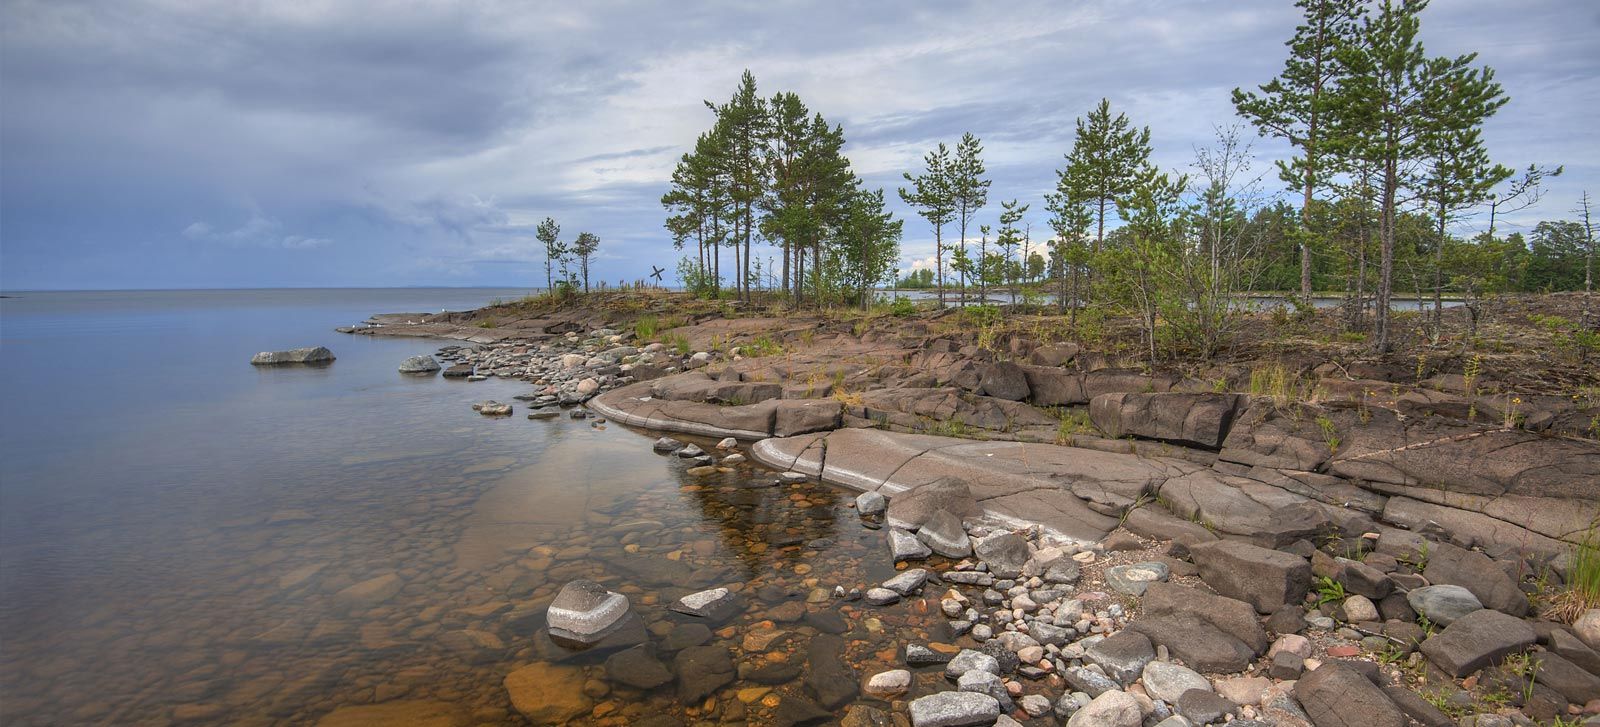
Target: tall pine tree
x,y
970,192
930,195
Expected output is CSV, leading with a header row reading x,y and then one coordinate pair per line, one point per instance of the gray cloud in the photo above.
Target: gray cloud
x,y
428,139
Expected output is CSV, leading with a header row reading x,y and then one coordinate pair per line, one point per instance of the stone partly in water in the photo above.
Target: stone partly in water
x,y
871,503
311,355
419,365
458,371
492,408
716,605
584,612
905,546
954,709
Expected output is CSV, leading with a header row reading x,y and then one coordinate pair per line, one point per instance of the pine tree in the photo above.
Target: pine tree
x,y
584,247
1296,105
549,233
1459,176
1009,238
746,127
1394,100
869,245
930,195
1109,161
970,192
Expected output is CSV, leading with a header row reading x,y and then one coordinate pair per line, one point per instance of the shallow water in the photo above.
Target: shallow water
x,y
178,529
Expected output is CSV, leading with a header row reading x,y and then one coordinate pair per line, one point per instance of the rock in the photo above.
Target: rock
x,y
1062,571
907,582
881,596
1574,650
943,534
1134,578
409,713
909,510
1364,580
1287,620
795,711
1417,708
1167,681
584,612
702,670
1477,640
1577,685
955,709
1004,380
1587,627
311,355
458,371
829,678
716,605
419,365
919,655
547,693
1199,420
667,444
861,715
1122,655
1243,690
1478,573
905,546
889,683
1210,633
1360,609
1111,709
637,667
1089,681
1286,665
871,503
370,592
1203,706
1336,696
492,408
1005,553
983,682
1443,604
587,386
969,660
1266,579
1035,705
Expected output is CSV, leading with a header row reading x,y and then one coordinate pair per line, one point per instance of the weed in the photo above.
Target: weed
x,y
1284,387
1330,591
902,307
680,343
1510,419
1583,581
807,336
1330,433
947,428
646,328
762,346
487,324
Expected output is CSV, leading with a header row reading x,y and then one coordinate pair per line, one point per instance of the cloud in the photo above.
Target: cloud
x,y
429,139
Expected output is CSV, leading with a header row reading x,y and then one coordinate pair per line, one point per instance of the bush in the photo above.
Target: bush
x,y
902,307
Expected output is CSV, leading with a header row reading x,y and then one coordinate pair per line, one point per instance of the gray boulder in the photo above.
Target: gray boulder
x,y
1200,420
1443,604
1167,681
1004,380
419,365
1477,640
584,612
907,582
871,503
1134,578
905,546
1123,655
1210,633
311,355
1478,573
954,709
1005,553
1266,579
716,605
969,660
909,510
1337,696
1111,709
943,533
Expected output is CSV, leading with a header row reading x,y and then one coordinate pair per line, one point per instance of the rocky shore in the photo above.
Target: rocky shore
x,y
1343,542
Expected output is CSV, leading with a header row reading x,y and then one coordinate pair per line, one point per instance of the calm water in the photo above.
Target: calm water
x,y
178,528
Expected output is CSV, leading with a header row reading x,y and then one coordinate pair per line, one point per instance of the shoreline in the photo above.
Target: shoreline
x,y
1063,449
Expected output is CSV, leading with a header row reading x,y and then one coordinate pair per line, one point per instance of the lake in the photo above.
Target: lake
x,y
180,532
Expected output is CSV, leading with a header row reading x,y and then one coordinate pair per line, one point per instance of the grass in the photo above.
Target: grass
x,y
762,346
679,343
1582,591
1283,386
1074,421
947,428
1330,591
487,324
1330,434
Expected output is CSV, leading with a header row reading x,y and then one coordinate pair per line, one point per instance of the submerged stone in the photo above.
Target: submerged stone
x,y
584,612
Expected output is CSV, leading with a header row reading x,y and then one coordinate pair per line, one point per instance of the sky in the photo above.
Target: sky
x,y
200,144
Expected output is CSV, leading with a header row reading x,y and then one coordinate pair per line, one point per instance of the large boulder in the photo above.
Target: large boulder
x,y
419,365
943,533
1111,709
954,709
1337,696
1443,604
1477,640
1123,655
910,509
1004,380
584,612
310,355
1005,553
1266,579
1208,632
1199,420
803,416
1269,435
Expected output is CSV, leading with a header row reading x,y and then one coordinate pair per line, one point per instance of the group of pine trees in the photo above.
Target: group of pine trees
x,y
772,171
573,258
1388,155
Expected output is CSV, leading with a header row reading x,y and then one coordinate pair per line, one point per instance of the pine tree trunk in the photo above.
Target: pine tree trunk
x,y
1386,223
938,260
1438,278
786,266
